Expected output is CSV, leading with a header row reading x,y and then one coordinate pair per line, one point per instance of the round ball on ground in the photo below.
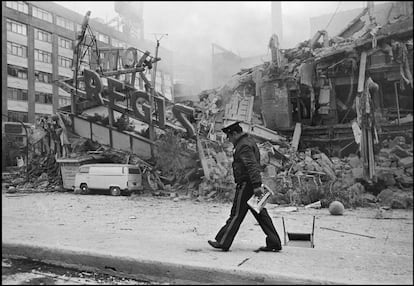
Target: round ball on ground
x,y
336,208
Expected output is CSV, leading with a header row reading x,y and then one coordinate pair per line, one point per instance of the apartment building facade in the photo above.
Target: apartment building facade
x,y
37,49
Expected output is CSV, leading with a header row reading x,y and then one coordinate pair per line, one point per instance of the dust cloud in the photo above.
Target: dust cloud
x,y
242,27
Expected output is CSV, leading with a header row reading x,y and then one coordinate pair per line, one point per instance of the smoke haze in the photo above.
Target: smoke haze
x,y
241,27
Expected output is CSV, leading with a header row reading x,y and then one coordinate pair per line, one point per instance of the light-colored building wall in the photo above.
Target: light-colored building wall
x,y
17,38
65,52
18,61
43,87
43,108
18,105
65,72
15,82
43,46
44,67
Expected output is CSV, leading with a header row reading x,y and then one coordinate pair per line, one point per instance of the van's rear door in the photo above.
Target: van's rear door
x,y
134,178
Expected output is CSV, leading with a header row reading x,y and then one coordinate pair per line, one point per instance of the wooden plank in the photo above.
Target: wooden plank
x,y
371,160
242,113
235,106
203,159
362,68
263,133
249,114
226,109
357,132
296,136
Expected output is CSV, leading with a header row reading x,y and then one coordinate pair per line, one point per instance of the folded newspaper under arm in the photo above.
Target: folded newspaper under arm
x,y
257,203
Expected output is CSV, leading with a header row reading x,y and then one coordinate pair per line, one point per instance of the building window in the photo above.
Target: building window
x,y
16,49
43,35
17,71
16,27
44,98
64,62
42,56
18,5
114,42
118,44
43,77
65,23
103,38
16,116
16,94
42,14
65,43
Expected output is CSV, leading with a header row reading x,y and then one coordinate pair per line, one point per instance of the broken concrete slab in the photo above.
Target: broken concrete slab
x,y
385,152
358,173
354,161
406,162
405,180
400,152
388,179
398,140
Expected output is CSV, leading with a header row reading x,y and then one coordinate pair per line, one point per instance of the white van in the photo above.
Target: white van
x,y
117,178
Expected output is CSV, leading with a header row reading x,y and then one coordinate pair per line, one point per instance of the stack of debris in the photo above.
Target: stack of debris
x,y
395,170
43,176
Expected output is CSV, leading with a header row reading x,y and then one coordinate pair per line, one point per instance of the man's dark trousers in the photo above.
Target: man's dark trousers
x,y
226,234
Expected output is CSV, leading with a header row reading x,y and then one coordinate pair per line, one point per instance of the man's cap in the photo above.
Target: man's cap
x,y
231,127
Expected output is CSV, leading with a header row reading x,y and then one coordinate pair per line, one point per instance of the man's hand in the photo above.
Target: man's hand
x,y
258,191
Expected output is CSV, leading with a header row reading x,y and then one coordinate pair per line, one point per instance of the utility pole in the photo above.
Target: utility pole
x,y
76,58
152,95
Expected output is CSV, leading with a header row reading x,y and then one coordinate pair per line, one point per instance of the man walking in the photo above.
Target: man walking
x,y
246,171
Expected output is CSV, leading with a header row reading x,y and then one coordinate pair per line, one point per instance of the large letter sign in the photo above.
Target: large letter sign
x,y
94,91
136,97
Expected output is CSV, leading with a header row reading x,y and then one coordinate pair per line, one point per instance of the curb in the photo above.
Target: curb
x,y
147,270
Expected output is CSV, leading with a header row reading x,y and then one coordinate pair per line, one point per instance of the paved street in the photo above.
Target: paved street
x,y
150,237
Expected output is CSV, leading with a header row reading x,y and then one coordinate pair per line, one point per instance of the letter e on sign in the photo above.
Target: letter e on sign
x,y
93,90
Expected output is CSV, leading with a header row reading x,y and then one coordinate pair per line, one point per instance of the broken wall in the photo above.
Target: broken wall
x,y
276,106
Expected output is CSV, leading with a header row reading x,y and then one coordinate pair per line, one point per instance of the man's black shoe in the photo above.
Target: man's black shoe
x,y
268,249
215,244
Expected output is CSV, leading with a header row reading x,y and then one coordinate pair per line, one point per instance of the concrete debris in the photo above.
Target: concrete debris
x,y
286,209
315,205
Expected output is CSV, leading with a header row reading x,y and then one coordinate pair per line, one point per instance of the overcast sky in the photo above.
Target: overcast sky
x,y
242,27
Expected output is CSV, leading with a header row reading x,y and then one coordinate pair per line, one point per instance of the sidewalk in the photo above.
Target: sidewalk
x,y
167,241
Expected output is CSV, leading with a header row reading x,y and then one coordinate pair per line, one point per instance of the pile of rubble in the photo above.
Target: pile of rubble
x,y
311,176
298,177
395,170
43,175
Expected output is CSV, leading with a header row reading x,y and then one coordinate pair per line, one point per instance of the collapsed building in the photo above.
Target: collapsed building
x,y
318,82
347,95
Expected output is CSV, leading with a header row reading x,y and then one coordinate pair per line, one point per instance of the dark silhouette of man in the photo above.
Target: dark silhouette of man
x,y
246,171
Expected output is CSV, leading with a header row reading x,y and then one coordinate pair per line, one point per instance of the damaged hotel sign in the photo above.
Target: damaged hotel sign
x,y
94,88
